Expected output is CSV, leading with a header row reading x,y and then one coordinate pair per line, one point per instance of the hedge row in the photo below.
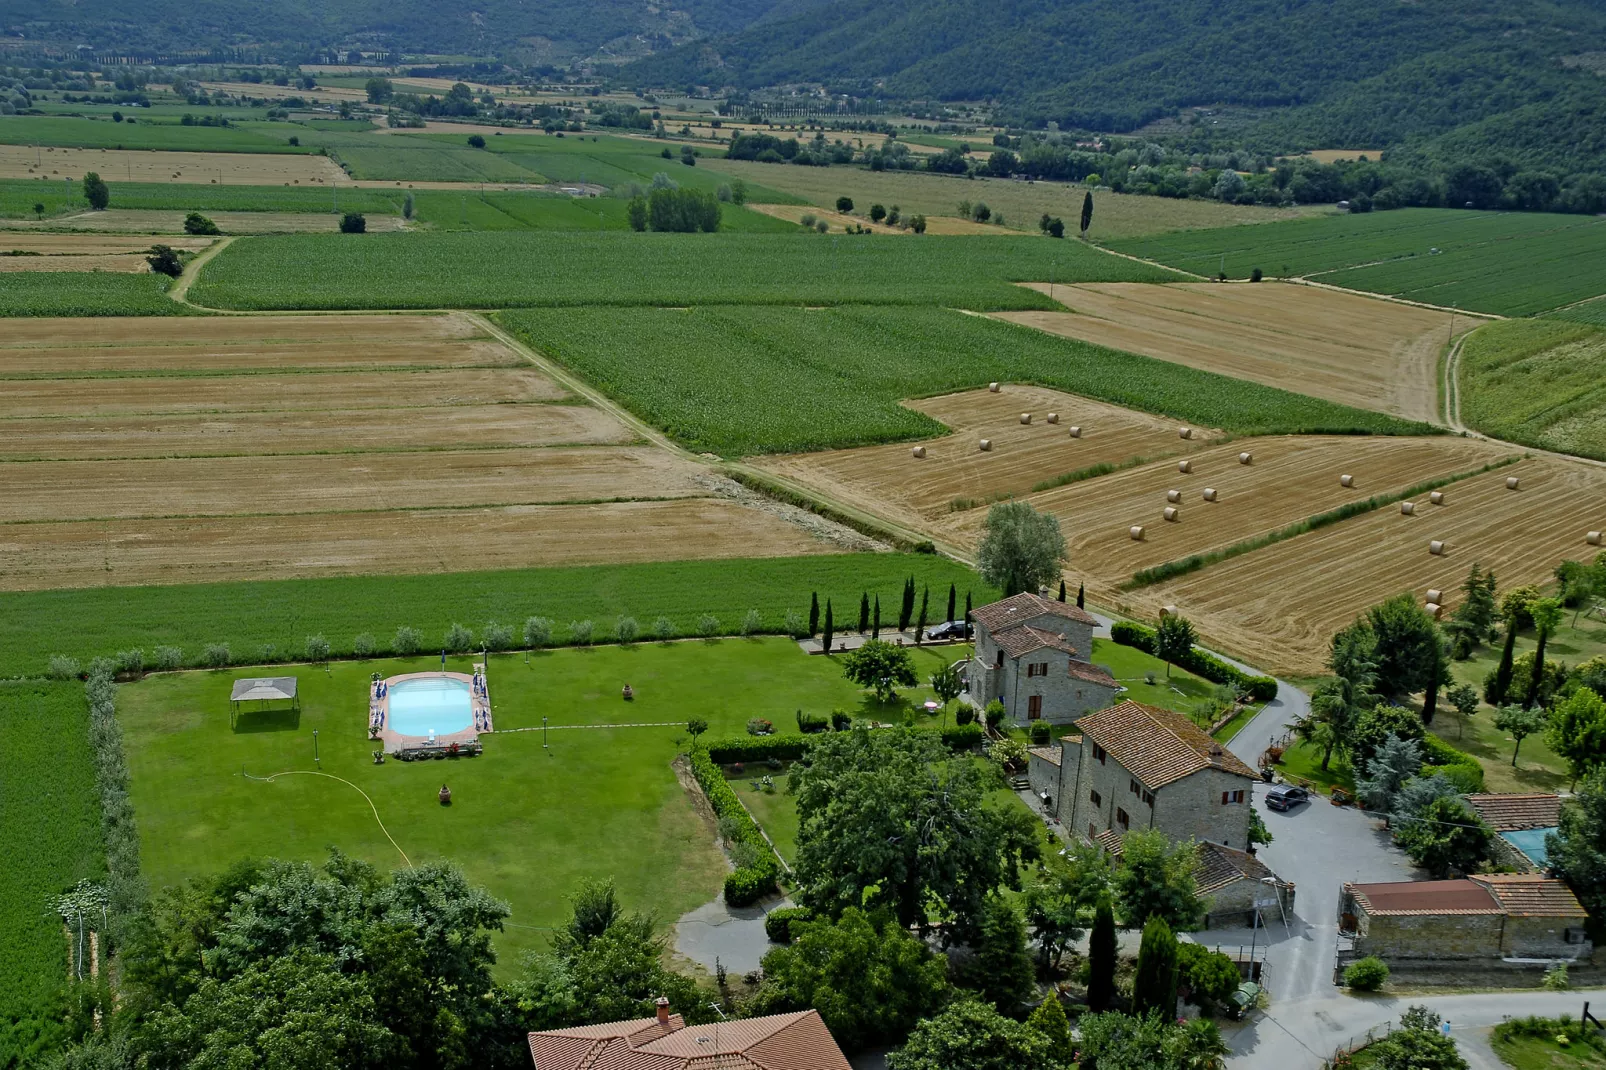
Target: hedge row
x,y
789,748
747,884
778,923
1465,771
125,888
1212,668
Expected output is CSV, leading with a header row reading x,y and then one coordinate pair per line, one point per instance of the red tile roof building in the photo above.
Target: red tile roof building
x,y
798,1041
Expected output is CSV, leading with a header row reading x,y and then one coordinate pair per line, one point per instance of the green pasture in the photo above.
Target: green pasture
x,y
84,293
1537,382
1513,263
251,616
520,210
526,822
104,133
50,825
18,196
336,271
659,363
1593,311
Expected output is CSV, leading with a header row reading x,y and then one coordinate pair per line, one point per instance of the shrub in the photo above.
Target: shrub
x,y
844,204
317,648
537,632
167,658
1462,769
1366,975
62,667
626,629
1040,732
475,141
196,223
760,726
807,220
994,714
124,886
364,645
794,624
963,737
407,641
216,655
841,720
751,622
809,723
1196,661
458,639
778,923
708,625
744,749
580,631
1555,977
353,223
663,629
965,714
748,883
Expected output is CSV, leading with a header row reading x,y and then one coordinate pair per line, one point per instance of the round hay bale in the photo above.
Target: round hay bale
x,y
1346,481
1594,538
1173,496
1210,494
992,388
1434,610
1436,595
1025,417
1136,531
1512,482
1436,547
918,451
1184,467
1053,417
1436,497
1076,432
1168,611
986,445
1184,432
1407,508
1171,514
1246,458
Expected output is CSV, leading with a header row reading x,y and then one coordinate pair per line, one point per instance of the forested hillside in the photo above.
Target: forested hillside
x,y
1318,72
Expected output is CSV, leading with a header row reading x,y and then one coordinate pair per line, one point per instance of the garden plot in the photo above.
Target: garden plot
x,y
155,165
1283,603
955,474
1342,347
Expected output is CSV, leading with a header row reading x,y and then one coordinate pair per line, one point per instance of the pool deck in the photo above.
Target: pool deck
x,y
379,711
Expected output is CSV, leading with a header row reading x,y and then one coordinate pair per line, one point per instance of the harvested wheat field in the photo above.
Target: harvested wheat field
x,y
956,475
1290,478
1343,347
124,264
156,165
94,553
1281,604
52,244
154,222
277,433
147,451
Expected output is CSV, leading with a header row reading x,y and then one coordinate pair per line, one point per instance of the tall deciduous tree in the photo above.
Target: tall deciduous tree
x,y
1408,646
1021,549
1521,722
881,667
1173,640
999,966
96,192
1157,879
1445,837
1577,732
971,1035
1577,849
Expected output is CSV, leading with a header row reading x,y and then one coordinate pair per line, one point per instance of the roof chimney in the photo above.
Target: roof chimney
x,y
663,1011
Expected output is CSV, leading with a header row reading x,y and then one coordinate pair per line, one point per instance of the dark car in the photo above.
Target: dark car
x,y
1286,797
951,629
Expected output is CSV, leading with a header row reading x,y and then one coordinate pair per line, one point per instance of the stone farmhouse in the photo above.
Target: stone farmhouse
x,y
1235,883
774,1042
1032,655
1137,766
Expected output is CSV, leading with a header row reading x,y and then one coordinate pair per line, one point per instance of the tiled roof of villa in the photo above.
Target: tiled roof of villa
x,y
1157,746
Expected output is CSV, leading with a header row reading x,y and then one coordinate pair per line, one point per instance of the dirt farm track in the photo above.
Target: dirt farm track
x,y
165,451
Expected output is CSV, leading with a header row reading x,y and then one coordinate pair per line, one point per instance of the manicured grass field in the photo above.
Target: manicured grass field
x,y
1537,382
248,616
65,293
50,826
1513,263
510,270
525,822
1302,764
86,133
661,363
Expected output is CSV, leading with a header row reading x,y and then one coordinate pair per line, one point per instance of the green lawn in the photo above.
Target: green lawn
x,y
1543,1053
660,363
1302,764
280,614
521,210
18,196
1180,691
525,822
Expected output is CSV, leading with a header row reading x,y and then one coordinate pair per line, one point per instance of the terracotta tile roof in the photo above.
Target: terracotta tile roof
x,y
1220,866
1051,755
1157,746
1093,674
1424,897
1024,639
1025,606
1110,841
798,1041
1510,813
1528,895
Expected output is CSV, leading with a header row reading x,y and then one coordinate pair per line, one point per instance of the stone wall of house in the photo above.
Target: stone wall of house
x,y
1502,853
1191,808
1065,697
1072,754
1439,937
1044,776
1544,938
1231,906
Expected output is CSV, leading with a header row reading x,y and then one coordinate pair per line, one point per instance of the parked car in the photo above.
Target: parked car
x,y
1286,797
948,629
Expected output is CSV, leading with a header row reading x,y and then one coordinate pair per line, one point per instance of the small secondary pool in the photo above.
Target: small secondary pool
x,y
438,704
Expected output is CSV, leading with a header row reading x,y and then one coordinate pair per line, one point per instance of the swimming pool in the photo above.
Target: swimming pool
x,y
440,704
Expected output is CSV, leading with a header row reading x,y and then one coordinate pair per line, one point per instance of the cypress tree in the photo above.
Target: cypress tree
x,y
875,620
951,594
1101,957
907,609
1502,673
1087,212
829,633
814,614
864,612
1081,595
920,627
1062,590
1154,986
967,613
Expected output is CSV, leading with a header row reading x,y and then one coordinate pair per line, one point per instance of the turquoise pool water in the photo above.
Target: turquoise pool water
x,y
419,706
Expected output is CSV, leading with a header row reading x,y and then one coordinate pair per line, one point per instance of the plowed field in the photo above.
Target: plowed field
x,y
146,451
142,165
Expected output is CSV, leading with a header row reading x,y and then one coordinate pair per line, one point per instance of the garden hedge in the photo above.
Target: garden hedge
x,y
747,884
1465,771
1212,668
778,923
